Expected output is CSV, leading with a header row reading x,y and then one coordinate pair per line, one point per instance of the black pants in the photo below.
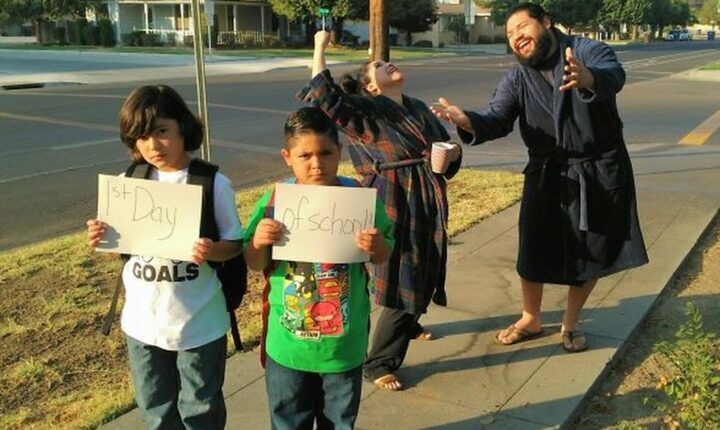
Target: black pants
x,y
390,342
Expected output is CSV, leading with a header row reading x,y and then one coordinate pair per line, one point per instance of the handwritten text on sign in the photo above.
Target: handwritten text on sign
x,y
150,218
321,222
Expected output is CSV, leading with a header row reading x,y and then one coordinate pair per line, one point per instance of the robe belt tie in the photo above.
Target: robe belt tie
x,y
389,165
571,163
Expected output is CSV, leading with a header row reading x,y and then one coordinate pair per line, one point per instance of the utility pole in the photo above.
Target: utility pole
x,y
200,77
379,49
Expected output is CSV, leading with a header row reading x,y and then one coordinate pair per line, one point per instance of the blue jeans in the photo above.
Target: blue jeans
x,y
297,399
179,389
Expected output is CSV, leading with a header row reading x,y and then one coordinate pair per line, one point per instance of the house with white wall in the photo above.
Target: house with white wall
x,y
171,19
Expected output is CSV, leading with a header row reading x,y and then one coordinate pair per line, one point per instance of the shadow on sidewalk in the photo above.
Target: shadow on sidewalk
x,y
481,351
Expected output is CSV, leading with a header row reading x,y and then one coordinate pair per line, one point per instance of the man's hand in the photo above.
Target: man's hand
x,y
576,74
372,242
322,39
452,114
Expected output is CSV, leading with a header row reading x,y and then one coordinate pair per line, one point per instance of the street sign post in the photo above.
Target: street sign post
x,y
210,17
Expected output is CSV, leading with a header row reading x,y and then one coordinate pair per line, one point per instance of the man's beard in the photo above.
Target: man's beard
x,y
542,51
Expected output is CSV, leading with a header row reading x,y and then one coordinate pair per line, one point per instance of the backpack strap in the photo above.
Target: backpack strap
x,y
269,213
139,171
202,173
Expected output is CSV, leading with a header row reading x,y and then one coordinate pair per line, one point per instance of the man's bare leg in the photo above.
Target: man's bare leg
x,y
577,296
530,321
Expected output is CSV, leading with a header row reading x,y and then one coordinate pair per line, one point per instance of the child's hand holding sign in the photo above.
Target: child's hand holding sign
x,y
371,241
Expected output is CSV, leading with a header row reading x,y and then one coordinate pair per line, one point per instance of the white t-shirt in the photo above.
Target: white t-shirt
x,y
178,305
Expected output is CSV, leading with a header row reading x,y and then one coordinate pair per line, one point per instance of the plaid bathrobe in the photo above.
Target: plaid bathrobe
x,y
389,147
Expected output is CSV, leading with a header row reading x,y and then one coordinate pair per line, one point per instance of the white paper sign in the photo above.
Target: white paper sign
x,y
321,222
150,218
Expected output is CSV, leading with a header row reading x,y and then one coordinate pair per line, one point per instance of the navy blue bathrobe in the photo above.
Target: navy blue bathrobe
x,y
578,216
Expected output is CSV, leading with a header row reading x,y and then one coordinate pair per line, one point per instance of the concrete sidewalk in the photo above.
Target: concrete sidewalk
x,y
80,67
463,380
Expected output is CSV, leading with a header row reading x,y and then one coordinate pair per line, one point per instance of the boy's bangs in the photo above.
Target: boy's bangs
x,y
147,116
144,123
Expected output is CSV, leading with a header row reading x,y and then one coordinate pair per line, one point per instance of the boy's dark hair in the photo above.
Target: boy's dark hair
x,y
533,9
308,120
142,109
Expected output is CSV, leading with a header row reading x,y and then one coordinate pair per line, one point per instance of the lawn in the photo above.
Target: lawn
x,y
711,66
60,372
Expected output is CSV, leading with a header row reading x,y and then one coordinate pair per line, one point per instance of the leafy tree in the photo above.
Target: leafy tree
x,y
40,11
635,12
708,14
682,14
664,13
412,16
569,13
499,9
660,15
457,26
612,15
307,12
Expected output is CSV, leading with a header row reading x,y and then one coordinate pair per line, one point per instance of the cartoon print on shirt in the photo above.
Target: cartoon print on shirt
x,y
316,299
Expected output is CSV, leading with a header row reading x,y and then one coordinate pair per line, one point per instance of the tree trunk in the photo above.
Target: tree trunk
x,y
39,31
337,28
379,48
635,31
408,38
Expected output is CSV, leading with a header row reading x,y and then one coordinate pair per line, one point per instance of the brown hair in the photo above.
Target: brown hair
x,y
356,84
142,109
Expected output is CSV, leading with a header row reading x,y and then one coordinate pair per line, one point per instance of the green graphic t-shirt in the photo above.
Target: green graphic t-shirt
x,y
318,319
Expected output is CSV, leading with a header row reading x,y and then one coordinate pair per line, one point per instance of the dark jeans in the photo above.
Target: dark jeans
x,y
390,342
179,389
298,399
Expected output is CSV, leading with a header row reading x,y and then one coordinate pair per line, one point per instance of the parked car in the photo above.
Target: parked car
x,y
681,35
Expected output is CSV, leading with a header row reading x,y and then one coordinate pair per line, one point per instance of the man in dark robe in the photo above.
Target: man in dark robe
x,y
578,217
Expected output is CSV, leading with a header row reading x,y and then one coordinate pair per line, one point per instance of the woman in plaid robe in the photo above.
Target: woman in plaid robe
x,y
390,138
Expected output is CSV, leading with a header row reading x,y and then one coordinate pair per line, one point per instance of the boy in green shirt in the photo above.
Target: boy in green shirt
x,y
316,327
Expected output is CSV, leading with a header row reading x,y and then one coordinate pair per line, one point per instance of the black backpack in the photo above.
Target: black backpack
x,y
232,273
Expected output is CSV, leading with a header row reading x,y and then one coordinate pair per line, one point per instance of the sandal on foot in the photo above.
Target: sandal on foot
x,y
574,341
421,334
424,335
388,382
513,335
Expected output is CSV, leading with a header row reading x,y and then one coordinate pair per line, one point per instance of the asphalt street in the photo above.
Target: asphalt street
x,y
55,140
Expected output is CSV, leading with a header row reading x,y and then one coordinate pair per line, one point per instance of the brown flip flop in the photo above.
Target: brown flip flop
x,y
574,341
515,335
